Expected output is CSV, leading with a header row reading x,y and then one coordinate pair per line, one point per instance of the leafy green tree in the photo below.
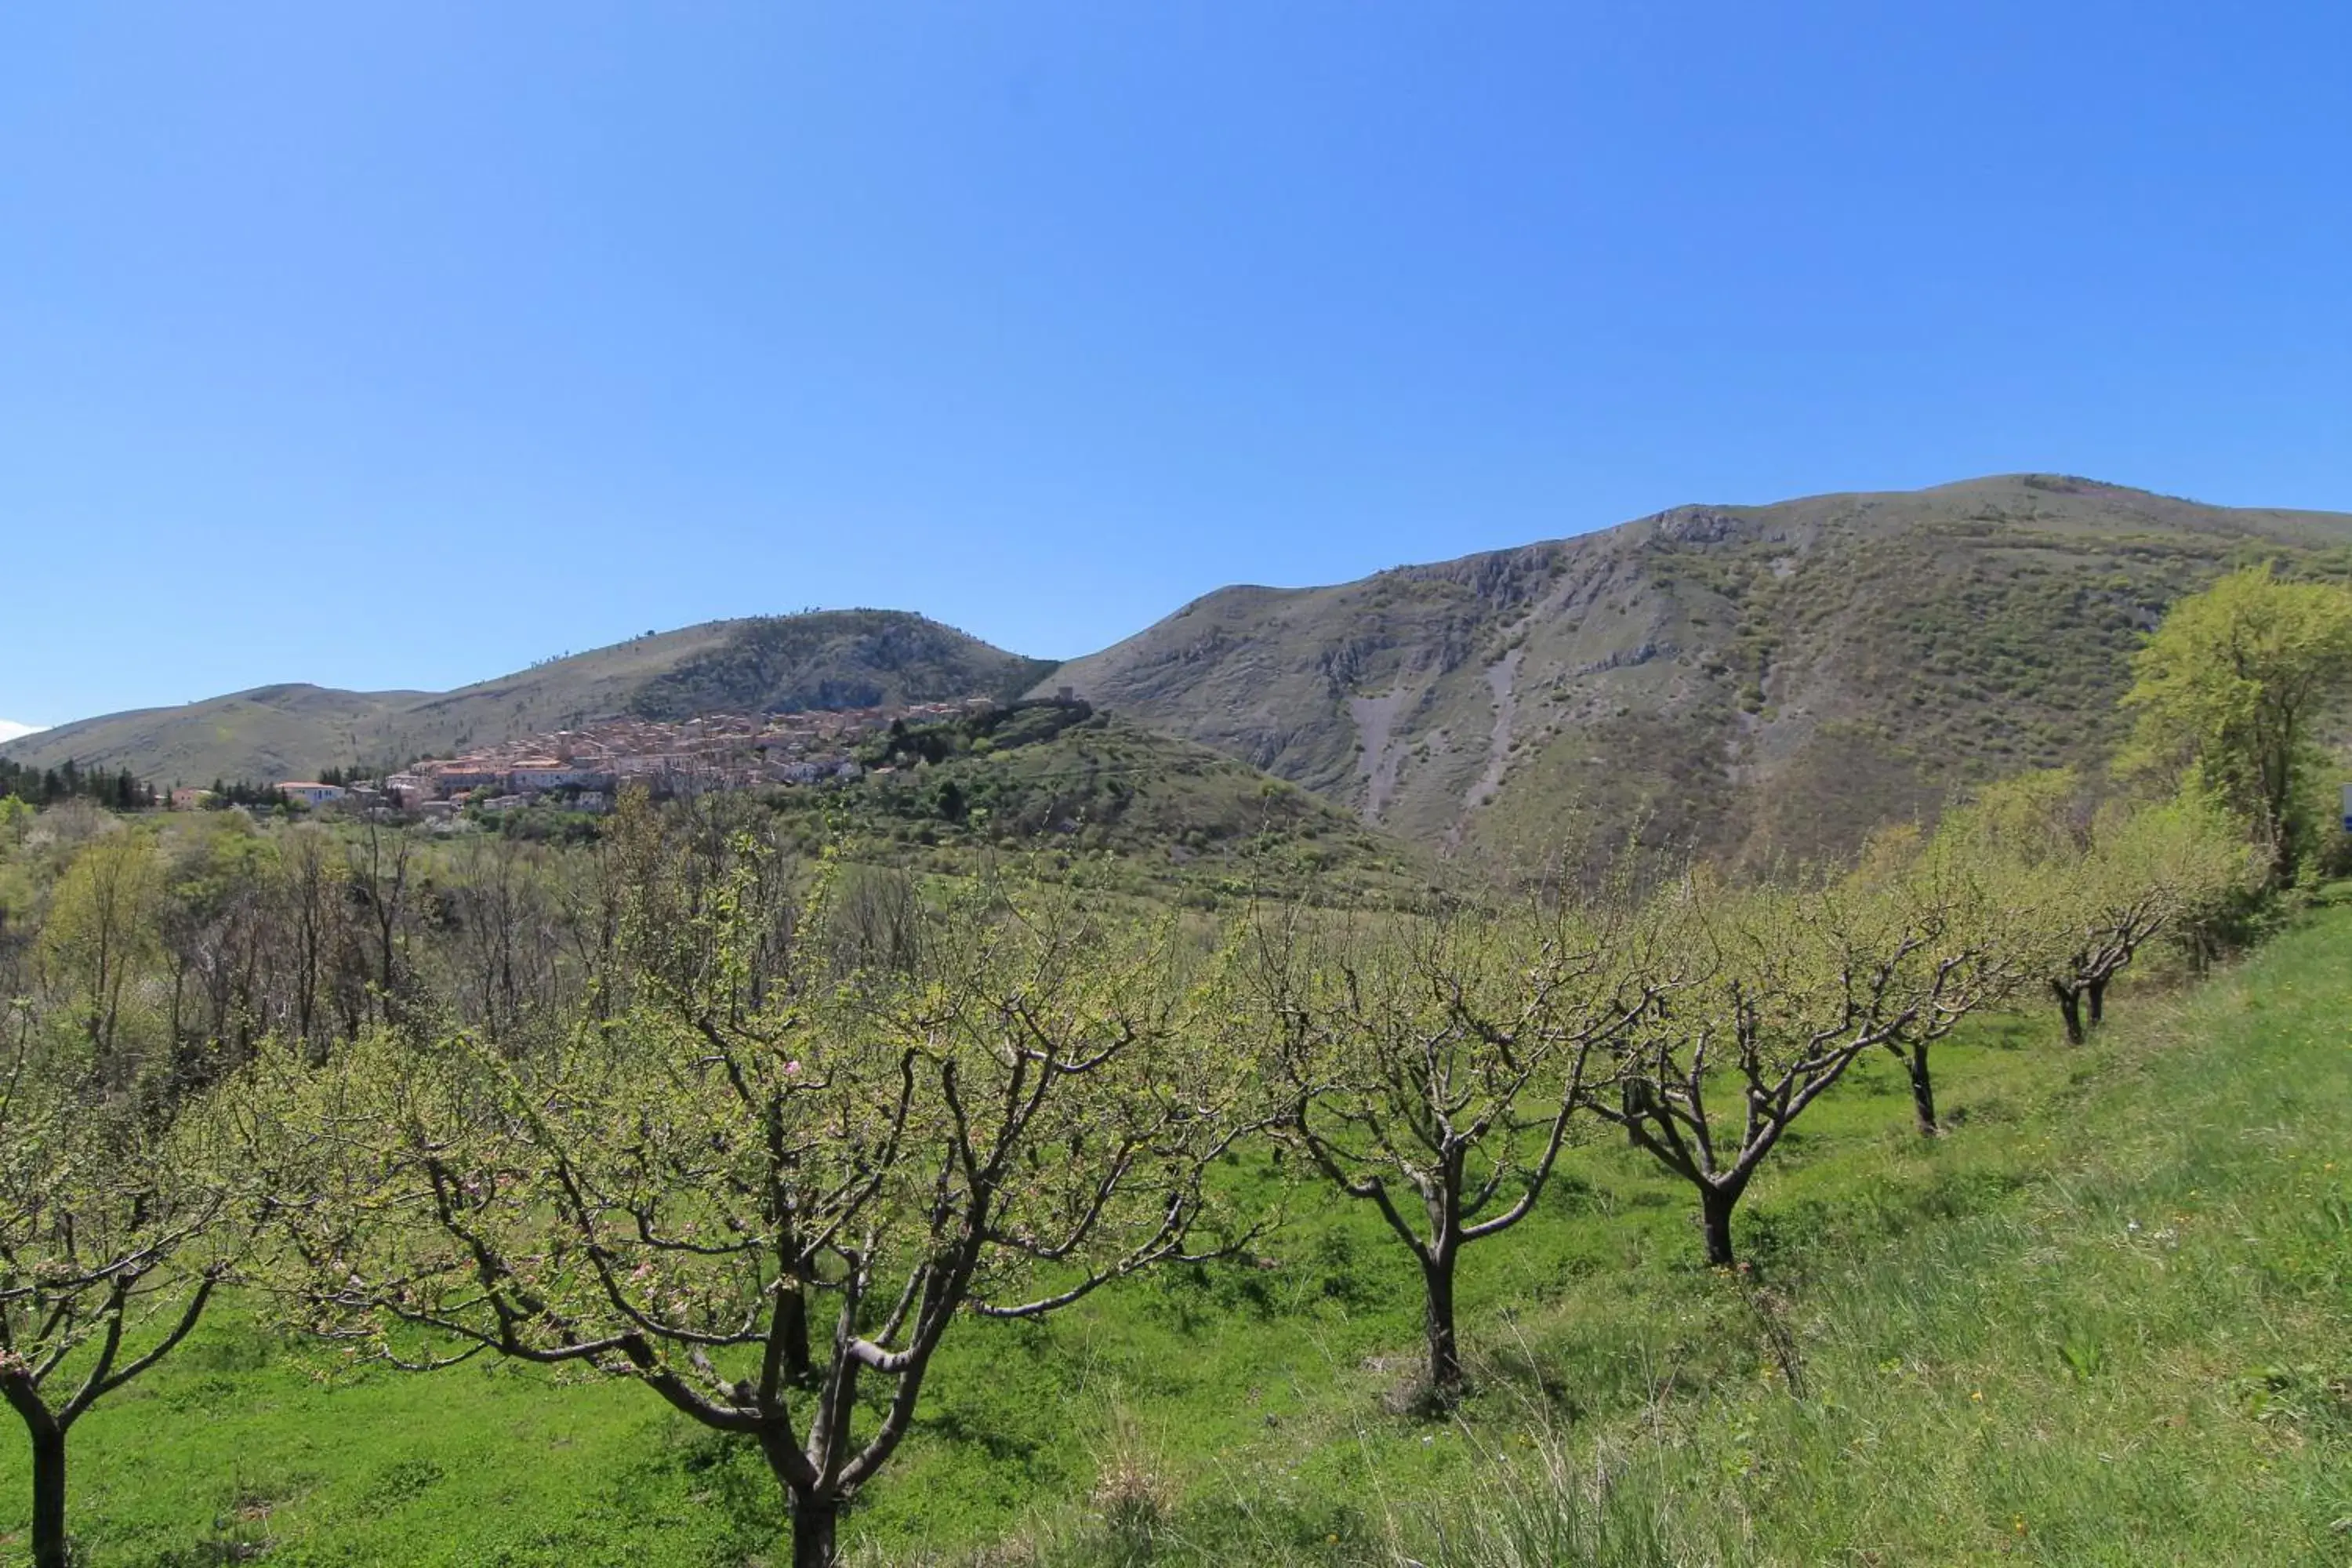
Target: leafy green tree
x,y
1431,1066
116,1227
2231,692
997,1138
101,933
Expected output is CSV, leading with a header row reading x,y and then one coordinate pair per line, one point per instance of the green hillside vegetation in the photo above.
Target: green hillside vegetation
x,y
826,659
1110,806
856,658
1757,682
269,733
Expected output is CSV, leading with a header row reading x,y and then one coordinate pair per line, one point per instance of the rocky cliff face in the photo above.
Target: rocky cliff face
x,y
1753,682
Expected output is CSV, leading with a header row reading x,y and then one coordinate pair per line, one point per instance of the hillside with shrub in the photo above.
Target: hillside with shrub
x,y
2104,1321
1756,681
2097,1316
1104,801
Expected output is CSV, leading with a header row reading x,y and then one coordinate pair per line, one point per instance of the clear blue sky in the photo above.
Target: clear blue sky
x,y
400,344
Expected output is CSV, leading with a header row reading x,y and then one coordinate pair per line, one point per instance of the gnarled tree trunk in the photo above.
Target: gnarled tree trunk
x,y
1445,1379
815,1519
1715,1206
49,1497
1923,1090
792,1308
2070,1007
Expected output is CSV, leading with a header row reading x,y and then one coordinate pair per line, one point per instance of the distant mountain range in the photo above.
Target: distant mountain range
x,y
1752,680
835,659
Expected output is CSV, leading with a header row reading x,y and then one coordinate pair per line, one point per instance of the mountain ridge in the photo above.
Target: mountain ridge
x,y
1750,681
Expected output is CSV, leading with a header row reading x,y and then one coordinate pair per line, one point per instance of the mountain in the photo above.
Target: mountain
x,y
832,658
1751,680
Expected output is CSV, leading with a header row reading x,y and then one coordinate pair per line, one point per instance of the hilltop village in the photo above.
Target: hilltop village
x,y
584,769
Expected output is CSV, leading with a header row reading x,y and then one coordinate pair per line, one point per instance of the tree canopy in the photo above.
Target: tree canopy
x,y
2230,693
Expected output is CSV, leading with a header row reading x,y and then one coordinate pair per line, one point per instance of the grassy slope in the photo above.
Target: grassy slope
x,y
2103,1322
269,733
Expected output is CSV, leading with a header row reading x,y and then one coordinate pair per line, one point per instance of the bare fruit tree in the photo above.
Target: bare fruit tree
x,y
1990,936
2102,880
654,1200
1792,985
116,1227
1431,1066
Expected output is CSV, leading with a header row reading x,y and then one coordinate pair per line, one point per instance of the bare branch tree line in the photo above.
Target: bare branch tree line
x,y
758,1136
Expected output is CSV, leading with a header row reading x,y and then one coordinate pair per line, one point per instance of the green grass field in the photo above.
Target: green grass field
x,y
2105,1320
